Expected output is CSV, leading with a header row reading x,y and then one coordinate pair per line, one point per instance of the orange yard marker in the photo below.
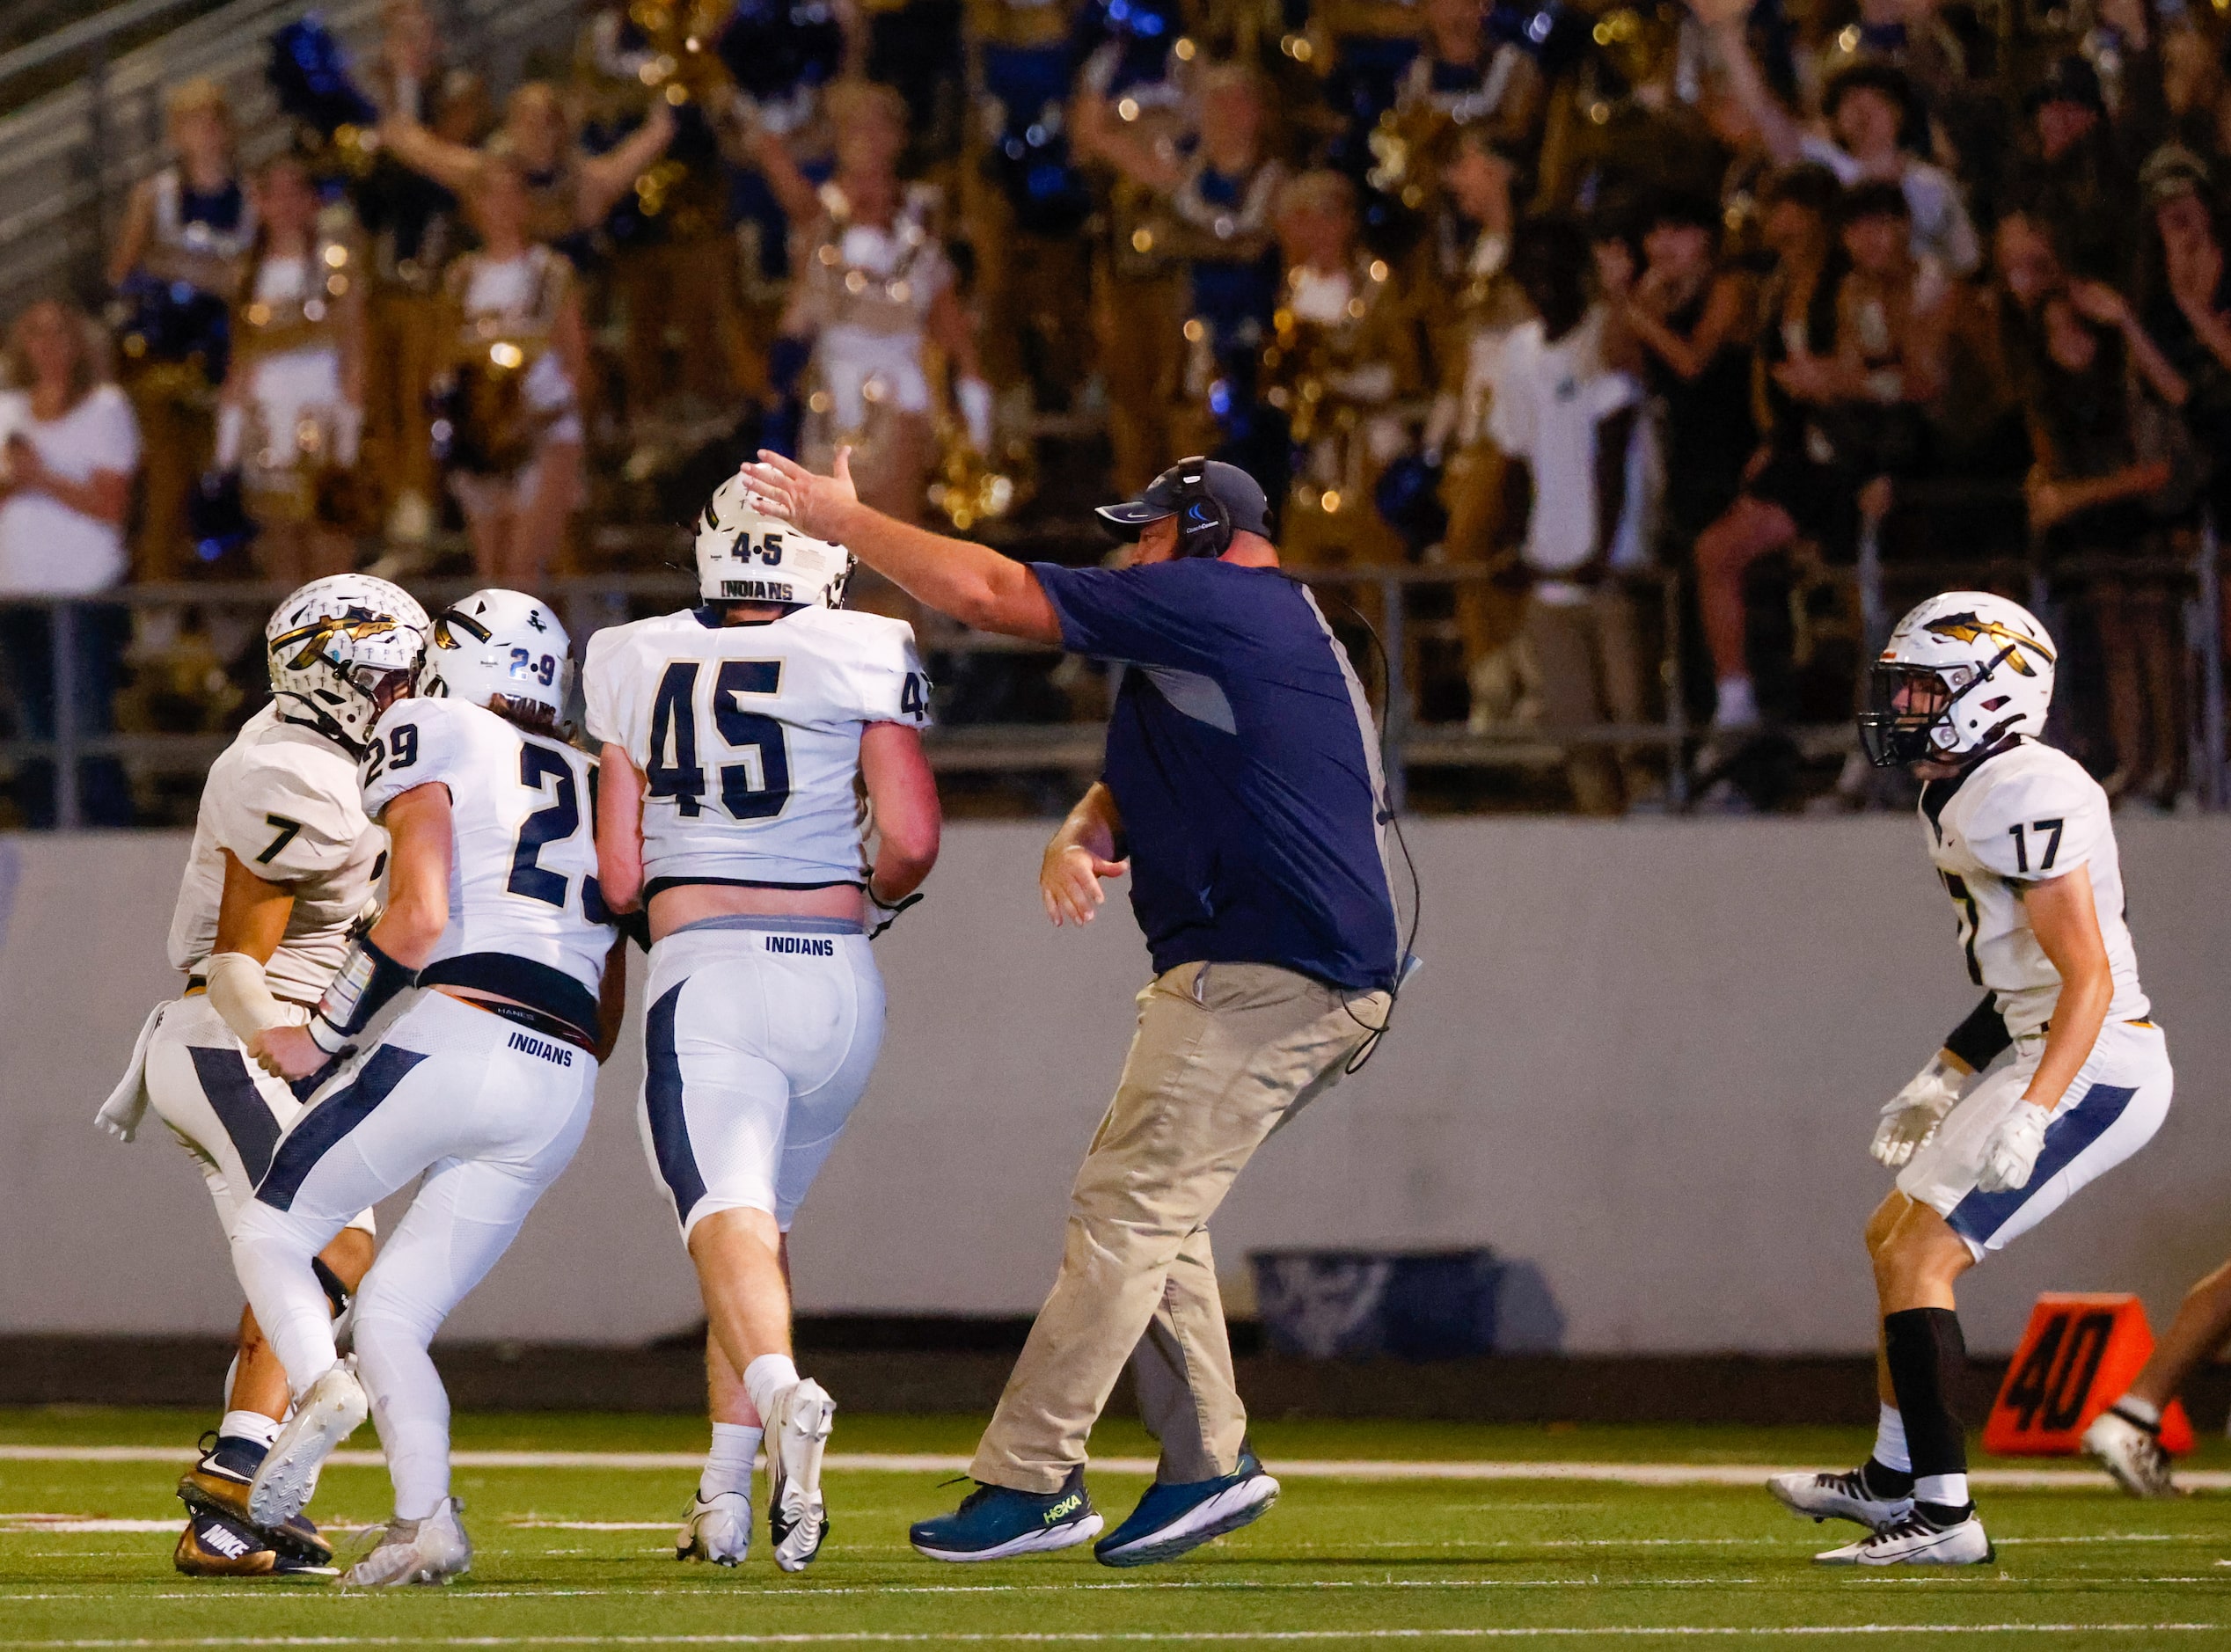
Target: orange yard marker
x,y
2079,1354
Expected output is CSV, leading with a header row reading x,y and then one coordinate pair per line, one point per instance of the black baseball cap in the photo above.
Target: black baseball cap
x,y
1231,487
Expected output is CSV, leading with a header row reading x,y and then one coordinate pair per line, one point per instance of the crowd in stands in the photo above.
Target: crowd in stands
x,y
1582,305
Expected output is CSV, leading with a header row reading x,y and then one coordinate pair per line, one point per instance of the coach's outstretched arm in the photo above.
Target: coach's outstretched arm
x,y
972,582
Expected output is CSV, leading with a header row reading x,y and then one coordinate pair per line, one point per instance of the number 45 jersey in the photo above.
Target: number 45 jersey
x,y
526,918
2026,815
749,737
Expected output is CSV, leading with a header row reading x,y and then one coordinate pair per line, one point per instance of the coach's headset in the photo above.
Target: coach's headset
x,y
1203,526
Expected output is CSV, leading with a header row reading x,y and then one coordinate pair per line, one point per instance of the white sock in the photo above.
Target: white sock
x,y
1949,1490
1735,705
2143,1410
1889,1441
248,1425
764,1379
728,1465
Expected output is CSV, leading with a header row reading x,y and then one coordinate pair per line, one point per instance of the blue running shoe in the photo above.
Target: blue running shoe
x,y
993,1523
1173,1520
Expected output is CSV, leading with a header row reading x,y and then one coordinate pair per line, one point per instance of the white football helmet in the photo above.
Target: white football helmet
x,y
499,642
1963,671
334,645
743,556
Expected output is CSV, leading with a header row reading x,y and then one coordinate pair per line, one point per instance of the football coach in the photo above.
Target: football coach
x,y
1242,792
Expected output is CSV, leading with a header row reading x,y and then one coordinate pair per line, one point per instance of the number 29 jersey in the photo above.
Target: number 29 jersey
x,y
523,885
2028,815
749,737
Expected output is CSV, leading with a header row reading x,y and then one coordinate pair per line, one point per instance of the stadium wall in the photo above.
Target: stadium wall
x,y
1642,1061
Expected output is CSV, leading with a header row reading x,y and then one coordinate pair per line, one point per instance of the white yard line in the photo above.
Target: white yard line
x,y
1304,1468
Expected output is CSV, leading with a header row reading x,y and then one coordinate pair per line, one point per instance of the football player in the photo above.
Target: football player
x,y
2125,1439
482,1082
2020,836
736,738
284,862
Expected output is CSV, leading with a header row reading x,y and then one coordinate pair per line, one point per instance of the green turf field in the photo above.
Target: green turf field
x,y
572,1555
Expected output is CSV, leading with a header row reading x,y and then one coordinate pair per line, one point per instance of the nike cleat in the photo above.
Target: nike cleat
x,y
796,1439
329,1411
218,1484
719,1530
216,1545
2132,1452
1842,1496
429,1551
1172,1520
1913,1541
995,1522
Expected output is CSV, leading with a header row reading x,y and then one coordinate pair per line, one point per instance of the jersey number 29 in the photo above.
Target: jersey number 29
x,y
556,821
757,785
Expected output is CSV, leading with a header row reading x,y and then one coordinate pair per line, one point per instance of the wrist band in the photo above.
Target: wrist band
x,y
366,981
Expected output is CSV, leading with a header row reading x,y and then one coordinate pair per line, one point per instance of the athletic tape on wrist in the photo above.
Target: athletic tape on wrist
x,y
367,980
240,996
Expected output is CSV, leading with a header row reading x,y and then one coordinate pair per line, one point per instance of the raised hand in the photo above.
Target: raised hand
x,y
809,502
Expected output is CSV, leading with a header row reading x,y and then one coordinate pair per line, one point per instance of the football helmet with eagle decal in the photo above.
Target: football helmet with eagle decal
x,y
335,645
499,644
1962,672
743,556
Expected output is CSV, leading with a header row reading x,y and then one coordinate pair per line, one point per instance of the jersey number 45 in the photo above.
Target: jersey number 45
x,y
755,786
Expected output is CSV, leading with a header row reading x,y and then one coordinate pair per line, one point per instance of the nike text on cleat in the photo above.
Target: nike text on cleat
x,y
797,1438
429,1551
329,1411
1171,1520
216,1545
1913,1541
1837,1497
218,1484
995,1522
719,1531
2132,1452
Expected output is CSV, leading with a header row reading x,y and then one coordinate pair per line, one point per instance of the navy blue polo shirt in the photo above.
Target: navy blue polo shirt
x,y
1243,761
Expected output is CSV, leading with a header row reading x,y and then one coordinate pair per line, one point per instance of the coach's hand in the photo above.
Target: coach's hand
x,y
287,1052
808,502
2011,1153
1910,1116
1068,882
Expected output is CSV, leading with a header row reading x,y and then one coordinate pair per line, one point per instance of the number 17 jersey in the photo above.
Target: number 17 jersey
x,y
747,737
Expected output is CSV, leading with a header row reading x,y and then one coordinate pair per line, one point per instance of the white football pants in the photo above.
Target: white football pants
x,y
759,1036
491,1112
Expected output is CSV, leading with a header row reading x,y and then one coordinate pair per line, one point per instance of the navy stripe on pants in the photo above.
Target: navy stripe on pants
x,y
232,1095
1980,1215
663,1100
317,1131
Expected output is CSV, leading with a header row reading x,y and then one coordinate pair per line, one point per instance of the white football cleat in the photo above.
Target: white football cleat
x,y
2132,1453
719,1531
329,1411
429,1551
1913,1541
796,1440
1837,1497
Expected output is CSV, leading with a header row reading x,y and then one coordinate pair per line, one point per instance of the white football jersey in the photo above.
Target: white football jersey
x,y
748,736
523,881
284,800
2028,815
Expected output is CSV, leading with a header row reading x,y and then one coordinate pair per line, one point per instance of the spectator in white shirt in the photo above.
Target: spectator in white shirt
x,y
71,448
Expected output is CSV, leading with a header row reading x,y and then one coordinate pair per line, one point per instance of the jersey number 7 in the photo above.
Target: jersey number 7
x,y
757,785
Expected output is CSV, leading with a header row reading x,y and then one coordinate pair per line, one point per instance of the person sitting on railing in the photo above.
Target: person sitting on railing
x,y
69,449
1565,408
2102,424
175,267
292,415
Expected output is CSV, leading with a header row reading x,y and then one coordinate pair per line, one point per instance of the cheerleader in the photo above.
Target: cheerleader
x,y
519,354
292,412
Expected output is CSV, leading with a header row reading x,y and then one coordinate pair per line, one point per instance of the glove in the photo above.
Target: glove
x,y
886,912
1910,1116
2011,1153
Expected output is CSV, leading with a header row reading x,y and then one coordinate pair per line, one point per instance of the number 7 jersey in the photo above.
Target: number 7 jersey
x,y
749,737
2026,815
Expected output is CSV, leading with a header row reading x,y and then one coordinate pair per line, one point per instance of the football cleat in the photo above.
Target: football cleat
x,y
216,1545
429,1551
1174,1520
329,1411
804,1416
1913,1541
2131,1452
1838,1497
218,1484
718,1530
995,1522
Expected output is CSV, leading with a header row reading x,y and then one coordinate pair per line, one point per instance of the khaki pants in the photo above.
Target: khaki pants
x,y
1224,1054
1586,655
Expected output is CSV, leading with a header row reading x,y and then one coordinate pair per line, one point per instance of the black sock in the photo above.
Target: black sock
x,y
1881,1480
1926,1355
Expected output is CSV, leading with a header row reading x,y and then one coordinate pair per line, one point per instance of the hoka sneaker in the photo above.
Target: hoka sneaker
x,y
719,1530
797,1435
1842,1496
1172,1520
328,1413
1915,1541
994,1522
2130,1450
429,1551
